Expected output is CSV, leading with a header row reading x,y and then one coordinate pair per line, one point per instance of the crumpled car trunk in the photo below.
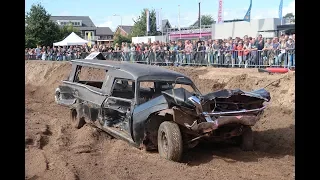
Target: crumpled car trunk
x,y
234,100
217,109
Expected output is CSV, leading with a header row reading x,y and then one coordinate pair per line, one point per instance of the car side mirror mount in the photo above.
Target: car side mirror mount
x,y
197,103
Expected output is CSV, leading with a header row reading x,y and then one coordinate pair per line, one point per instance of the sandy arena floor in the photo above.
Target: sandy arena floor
x,y
56,151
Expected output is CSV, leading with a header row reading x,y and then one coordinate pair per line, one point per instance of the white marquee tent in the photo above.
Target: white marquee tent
x,y
72,39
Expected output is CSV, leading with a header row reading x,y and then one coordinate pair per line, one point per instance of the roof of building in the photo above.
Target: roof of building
x,y
86,21
101,31
127,29
137,71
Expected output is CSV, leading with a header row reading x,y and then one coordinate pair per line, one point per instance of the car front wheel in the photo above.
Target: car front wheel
x,y
76,120
170,145
246,143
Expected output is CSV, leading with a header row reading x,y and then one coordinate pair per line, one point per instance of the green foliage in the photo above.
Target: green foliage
x,y
39,29
68,29
140,26
290,17
118,38
207,20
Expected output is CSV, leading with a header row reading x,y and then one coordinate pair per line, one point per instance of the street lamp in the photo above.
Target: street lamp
x,y
199,19
119,16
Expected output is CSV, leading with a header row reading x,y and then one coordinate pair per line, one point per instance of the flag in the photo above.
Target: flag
x,y
280,11
247,17
158,21
89,39
220,12
148,20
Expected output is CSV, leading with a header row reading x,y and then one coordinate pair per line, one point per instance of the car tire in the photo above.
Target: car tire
x,y
170,145
246,141
76,121
57,96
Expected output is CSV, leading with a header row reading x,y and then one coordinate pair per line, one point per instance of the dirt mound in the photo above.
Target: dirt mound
x,y
55,150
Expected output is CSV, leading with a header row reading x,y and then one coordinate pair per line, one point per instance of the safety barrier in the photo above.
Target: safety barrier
x,y
238,58
55,57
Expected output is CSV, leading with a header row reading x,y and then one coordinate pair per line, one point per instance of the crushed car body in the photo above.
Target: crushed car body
x,y
156,108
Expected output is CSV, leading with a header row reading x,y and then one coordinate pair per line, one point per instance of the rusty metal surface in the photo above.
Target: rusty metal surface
x,y
183,118
245,120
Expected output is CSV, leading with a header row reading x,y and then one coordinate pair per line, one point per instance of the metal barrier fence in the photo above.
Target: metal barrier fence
x,y
246,59
56,57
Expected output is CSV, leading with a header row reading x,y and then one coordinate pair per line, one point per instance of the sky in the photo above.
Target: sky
x,y
108,13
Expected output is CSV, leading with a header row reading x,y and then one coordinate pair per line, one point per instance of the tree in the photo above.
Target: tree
x,y
140,26
205,20
39,29
290,17
68,29
118,38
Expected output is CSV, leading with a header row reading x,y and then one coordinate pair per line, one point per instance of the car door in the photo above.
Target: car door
x,y
118,106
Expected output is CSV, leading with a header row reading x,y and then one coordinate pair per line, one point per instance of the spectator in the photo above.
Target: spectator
x,y
282,47
180,50
94,49
125,49
44,53
70,53
216,51
267,54
294,38
290,47
240,52
222,51
246,52
207,52
227,54
132,52
38,52
188,50
26,54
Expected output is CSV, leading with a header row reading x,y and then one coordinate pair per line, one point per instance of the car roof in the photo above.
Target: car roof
x,y
140,72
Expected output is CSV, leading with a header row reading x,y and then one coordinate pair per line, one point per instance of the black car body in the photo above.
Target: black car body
x,y
156,108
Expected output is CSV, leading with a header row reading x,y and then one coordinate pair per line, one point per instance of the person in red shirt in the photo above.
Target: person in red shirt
x,y
240,52
138,53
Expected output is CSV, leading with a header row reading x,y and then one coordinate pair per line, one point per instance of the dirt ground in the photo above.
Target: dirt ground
x,y
54,150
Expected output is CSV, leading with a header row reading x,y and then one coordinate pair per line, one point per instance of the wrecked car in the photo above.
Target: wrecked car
x,y
154,108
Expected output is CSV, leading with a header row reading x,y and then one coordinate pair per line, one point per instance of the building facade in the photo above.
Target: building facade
x,y
265,27
123,30
86,27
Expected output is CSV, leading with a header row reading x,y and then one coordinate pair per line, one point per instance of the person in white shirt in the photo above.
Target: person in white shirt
x,y
94,49
282,47
125,51
132,52
246,51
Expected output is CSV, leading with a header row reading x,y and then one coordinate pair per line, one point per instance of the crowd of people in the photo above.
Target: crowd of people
x,y
240,52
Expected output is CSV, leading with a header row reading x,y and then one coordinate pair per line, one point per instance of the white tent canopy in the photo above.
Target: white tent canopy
x,y
72,39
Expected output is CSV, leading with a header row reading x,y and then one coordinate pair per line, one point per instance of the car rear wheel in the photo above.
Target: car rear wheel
x,y
170,145
57,96
246,141
76,121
